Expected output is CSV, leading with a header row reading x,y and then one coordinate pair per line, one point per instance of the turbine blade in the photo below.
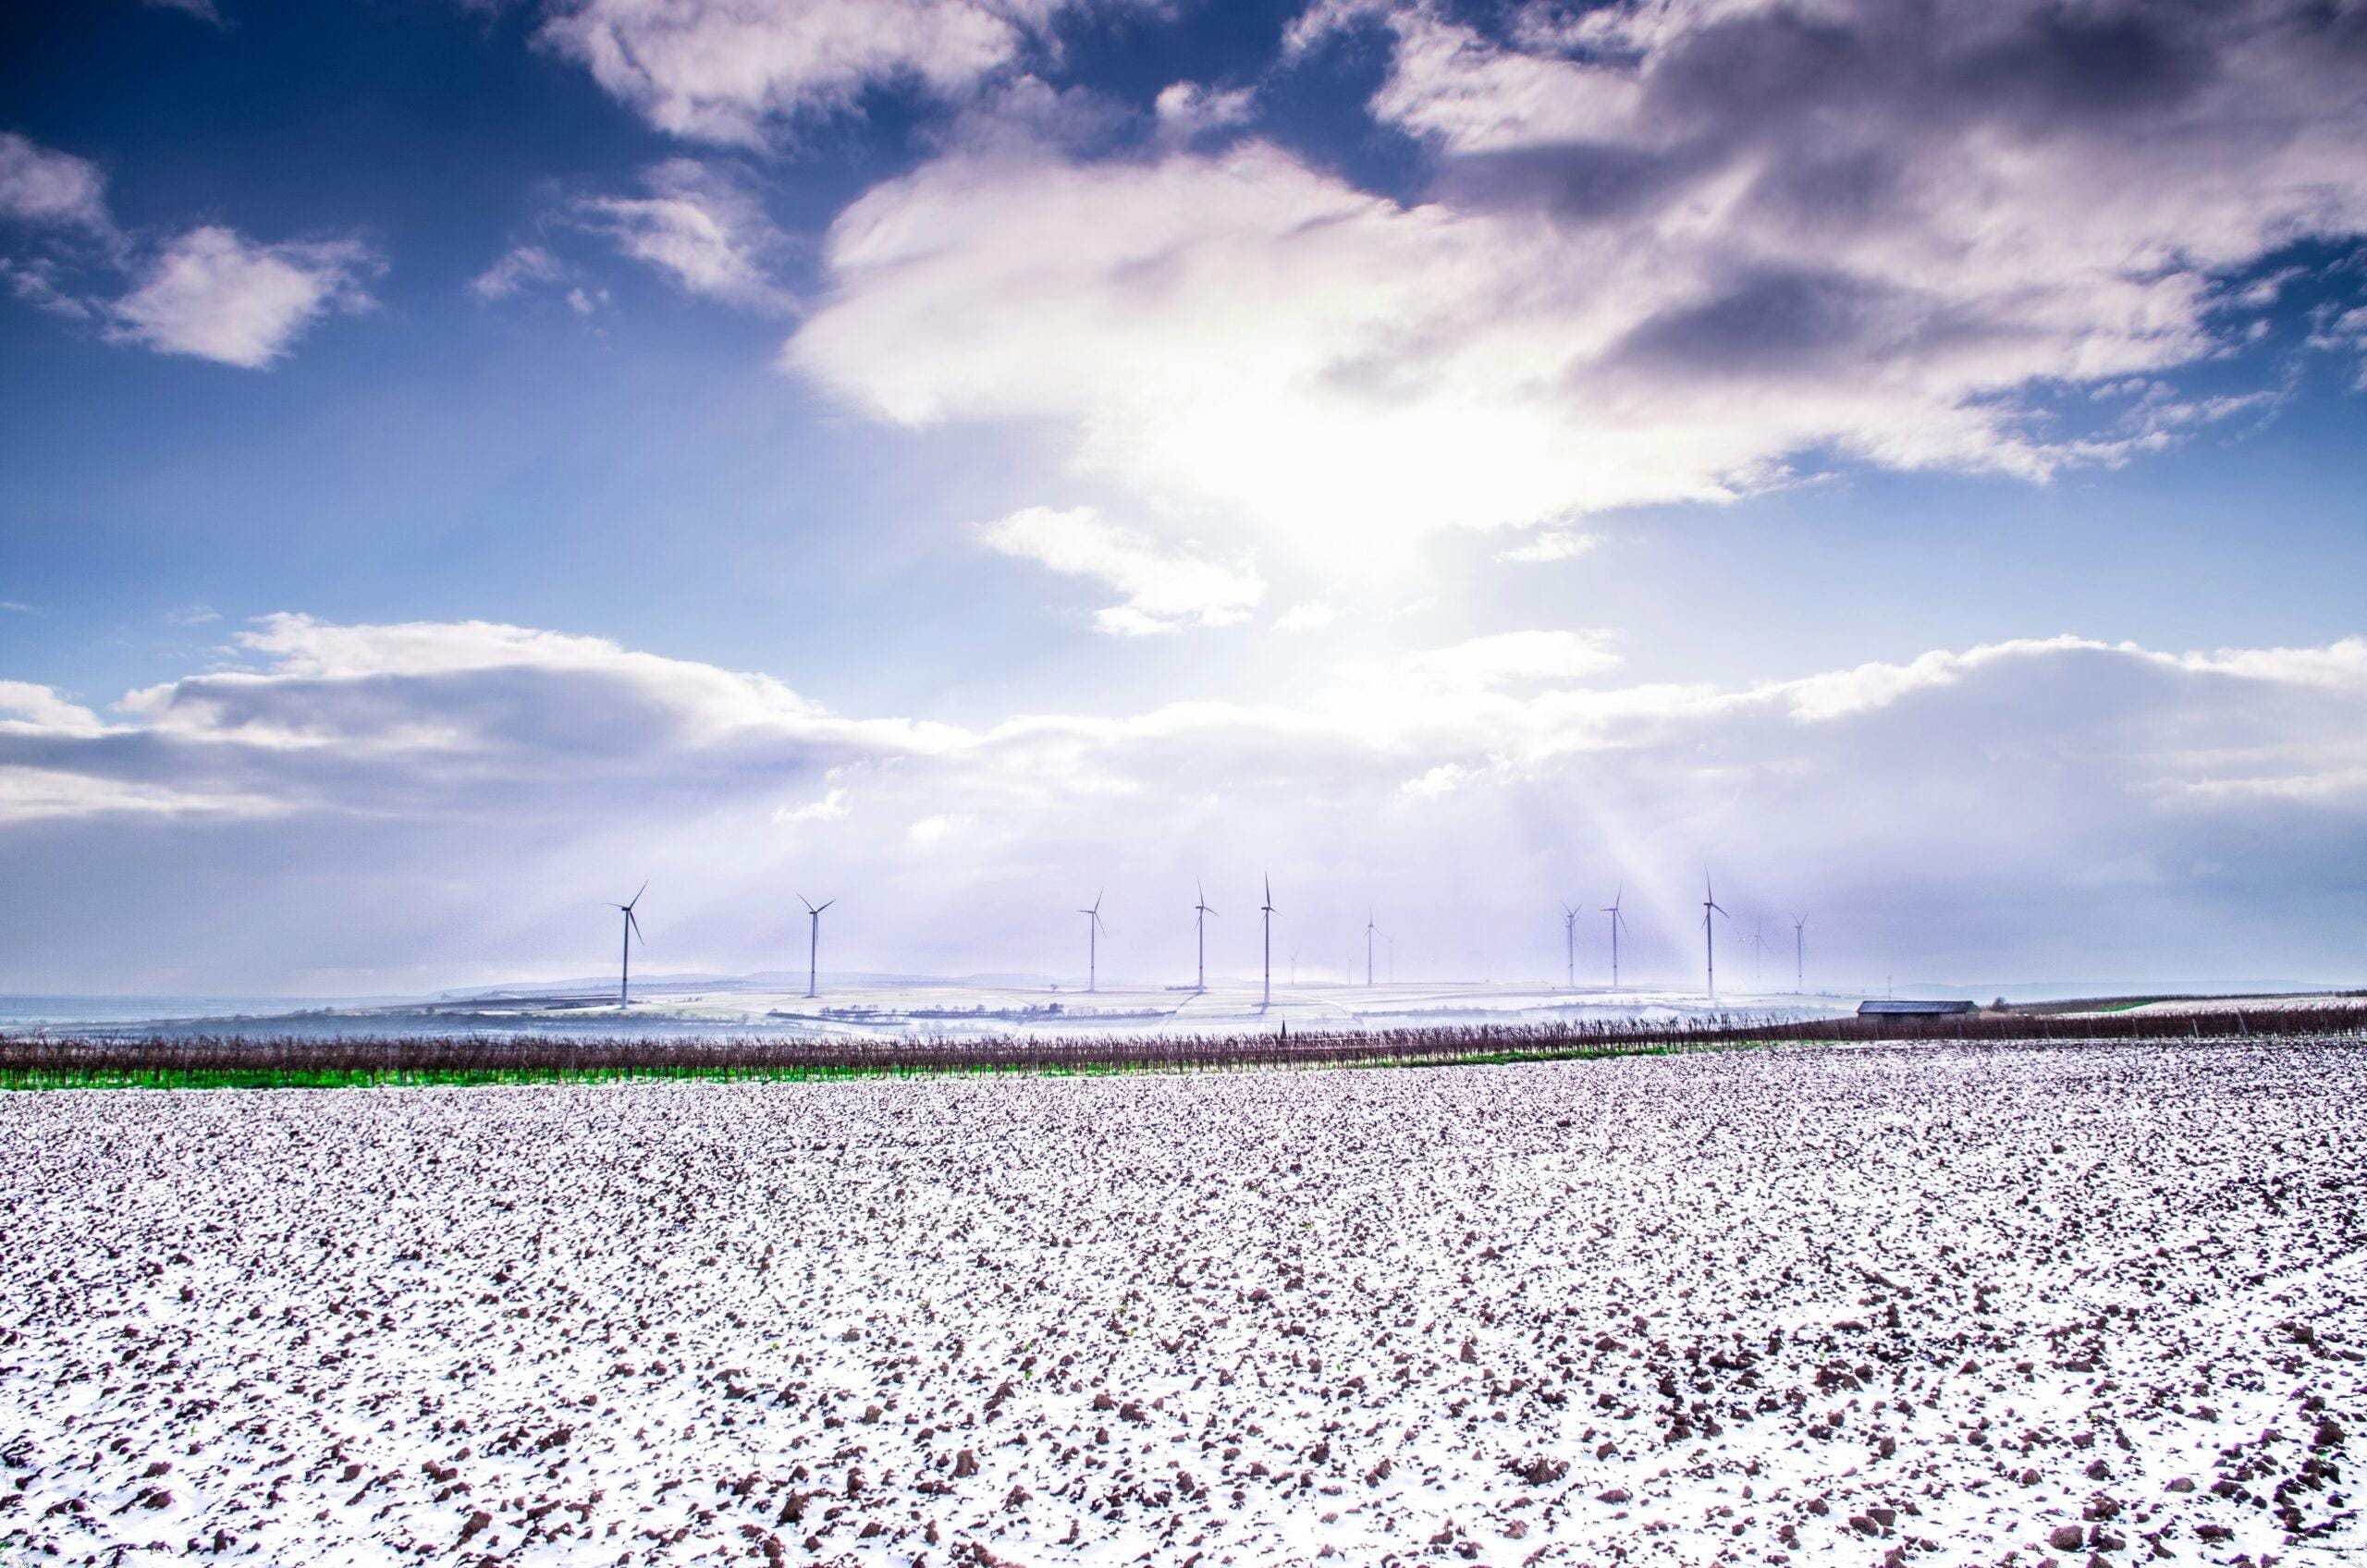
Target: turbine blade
x,y
825,904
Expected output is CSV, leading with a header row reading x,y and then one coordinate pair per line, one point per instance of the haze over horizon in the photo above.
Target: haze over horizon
x,y
460,459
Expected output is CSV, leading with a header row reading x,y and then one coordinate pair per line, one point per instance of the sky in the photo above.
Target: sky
x,y
460,459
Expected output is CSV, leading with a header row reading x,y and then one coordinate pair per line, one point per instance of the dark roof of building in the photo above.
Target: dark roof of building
x,y
1911,1007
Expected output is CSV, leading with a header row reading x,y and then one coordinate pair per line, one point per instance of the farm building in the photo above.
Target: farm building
x,y
1904,1007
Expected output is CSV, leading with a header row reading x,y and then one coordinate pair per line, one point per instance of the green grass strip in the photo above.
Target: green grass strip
x,y
393,1078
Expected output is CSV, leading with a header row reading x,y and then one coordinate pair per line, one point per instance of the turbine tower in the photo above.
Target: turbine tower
x,y
1710,906
813,937
632,930
1799,953
1617,920
1267,909
1093,930
1200,912
1368,930
1570,946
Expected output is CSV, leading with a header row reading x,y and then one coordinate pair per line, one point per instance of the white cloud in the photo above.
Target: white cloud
x,y
2039,781
210,293
1662,271
1186,109
1311,616
39,708
519,268
2345,332
34,794
1508,659
830,808
739,71
41,186
931,830
1439,782
217,295
193,615
1164,589
1551,545
700,226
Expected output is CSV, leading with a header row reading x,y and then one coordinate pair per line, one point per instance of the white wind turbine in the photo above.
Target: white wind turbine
x,y
632,933
1617,920
1200,912
1267,909
814,939
1093,930
1711,906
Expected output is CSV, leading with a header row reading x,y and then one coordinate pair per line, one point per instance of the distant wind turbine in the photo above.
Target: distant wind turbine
x,y
1368,931
814,939
1570,946
1617,920
1799,953
1200,912
1710,906
632,931
1092,929
1267,909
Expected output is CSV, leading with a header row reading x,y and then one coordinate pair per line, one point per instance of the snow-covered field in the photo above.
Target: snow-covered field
x,y
1930,1304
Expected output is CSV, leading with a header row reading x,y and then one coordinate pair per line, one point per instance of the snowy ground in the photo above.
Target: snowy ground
x,y
1932,1305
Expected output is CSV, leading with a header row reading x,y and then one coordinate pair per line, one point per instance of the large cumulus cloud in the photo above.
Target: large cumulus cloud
x,y
1664,251
396,807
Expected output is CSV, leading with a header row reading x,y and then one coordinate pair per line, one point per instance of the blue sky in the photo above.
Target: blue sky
x,y
455,457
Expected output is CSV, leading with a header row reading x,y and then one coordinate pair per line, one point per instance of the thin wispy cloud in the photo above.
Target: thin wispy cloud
x,y
518,269
1164,589
703,228
748,72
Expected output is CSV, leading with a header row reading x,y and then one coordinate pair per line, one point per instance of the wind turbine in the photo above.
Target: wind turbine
x,y
632,929
1200,912
1758,927
1570,946
813,938
1368,931
1799,953
1617,920
1092,929
1709,933
1267,909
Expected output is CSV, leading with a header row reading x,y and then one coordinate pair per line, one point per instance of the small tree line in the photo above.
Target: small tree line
x,y
165,1061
